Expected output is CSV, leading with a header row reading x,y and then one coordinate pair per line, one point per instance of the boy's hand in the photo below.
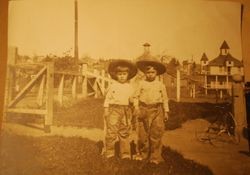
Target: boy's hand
x,y
133,123
136,112
166,117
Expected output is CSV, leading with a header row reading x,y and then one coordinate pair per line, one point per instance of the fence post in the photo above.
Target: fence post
x,y
95,83
10,78
103,81
40,92
60,90
49,97
238,106
84,80
74,95
178,85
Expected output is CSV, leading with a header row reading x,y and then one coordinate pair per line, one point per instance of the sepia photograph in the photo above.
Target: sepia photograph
x,y
135,87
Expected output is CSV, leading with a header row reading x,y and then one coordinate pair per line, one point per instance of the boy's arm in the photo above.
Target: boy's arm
x,y
136,96
108,98
165,98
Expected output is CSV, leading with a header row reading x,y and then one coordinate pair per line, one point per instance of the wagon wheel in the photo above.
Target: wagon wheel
x,y
203,136
209,135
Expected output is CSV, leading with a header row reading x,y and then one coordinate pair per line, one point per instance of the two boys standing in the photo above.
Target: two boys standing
x,y
148,102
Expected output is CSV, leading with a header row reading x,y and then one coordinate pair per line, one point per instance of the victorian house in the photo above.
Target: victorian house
x,y
218,72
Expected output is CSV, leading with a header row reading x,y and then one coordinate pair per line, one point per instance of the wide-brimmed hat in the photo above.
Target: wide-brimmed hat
x,y
142,64
132,69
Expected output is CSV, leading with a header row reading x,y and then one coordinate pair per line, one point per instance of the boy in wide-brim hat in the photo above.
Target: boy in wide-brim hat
x,y
117,109
142,64
151,106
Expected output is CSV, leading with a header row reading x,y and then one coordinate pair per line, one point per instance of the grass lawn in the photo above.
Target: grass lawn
x,y
88,113
22,155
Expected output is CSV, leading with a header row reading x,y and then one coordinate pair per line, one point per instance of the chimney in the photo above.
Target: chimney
x,y
146,48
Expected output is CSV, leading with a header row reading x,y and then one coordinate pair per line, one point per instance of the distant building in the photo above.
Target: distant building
x,y
145,56
187,67
204,63
218,72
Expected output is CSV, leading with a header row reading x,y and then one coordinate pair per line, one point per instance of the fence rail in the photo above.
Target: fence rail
x,y
43,89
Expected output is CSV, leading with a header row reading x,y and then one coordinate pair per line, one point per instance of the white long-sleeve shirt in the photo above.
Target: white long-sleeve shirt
x,y
119,93
151,93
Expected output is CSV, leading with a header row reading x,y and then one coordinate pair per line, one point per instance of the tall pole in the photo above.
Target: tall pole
x,y
178,85
76,32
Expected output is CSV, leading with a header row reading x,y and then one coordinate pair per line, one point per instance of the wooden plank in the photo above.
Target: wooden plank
x,y
178,85
60,90
95,86
27,88
68,73
23,65
74,87
100,77
89,83
84,81
102,81
8,90
41,92
100,88
91,93
84,87
49,100
27,111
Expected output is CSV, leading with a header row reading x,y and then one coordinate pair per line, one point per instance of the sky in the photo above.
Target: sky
x,y
118,28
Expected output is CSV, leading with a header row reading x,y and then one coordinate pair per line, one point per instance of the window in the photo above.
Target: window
x,y
220,69
229,70
239,69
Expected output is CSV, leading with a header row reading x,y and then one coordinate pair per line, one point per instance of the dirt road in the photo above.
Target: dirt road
x,y
224,159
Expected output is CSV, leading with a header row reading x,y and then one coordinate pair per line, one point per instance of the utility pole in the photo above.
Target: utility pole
x,y
76,33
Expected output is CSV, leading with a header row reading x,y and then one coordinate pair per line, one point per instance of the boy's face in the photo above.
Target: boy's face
x,y
150,73
122,76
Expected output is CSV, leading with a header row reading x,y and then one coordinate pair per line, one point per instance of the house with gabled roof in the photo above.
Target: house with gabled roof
x,y
203,63
218,72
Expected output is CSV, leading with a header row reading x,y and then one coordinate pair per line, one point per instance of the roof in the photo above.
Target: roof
x,y
204,57
221,60
224,45
146,45
185,62
145,56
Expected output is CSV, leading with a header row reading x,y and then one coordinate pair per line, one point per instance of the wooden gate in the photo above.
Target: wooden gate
x,y
39,84
26,83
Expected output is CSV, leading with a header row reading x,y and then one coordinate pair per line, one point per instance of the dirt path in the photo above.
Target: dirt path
x,y
223,160
93,134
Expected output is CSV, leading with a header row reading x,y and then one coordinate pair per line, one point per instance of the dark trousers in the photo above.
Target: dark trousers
x,y
150,131
118,128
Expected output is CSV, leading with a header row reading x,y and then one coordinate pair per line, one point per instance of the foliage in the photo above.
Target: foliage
x,y
84,113
64,63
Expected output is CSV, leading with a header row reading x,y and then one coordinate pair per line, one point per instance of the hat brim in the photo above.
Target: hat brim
x,y
161,69
114,64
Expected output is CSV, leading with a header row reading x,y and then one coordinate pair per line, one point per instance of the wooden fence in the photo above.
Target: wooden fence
x,y
36,83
